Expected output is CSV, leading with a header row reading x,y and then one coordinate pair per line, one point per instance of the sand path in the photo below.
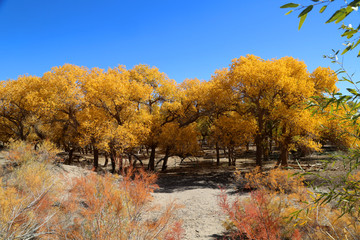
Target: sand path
x,y
198,193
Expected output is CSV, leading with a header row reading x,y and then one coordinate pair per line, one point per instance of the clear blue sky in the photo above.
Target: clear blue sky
x,y
183,38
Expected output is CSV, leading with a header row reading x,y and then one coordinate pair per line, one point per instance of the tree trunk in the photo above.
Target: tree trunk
x,y
96,159
284,155
66,147
266,149
259,139
217,154
112,158
166,157
21,133
69,160
284,148
121,165
233,157
134,162
151,165
106,159
271,140
259,150
229,156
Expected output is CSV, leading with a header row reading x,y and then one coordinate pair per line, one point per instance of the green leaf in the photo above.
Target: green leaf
x,y
306,10
289,12
336,15
346,80
302,19
349,33
354,3
346,49
344,14
341,17
357,43
352,91
290,5
323,8
341,99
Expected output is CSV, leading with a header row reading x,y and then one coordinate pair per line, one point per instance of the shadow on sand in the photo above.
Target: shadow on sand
x,y
199,176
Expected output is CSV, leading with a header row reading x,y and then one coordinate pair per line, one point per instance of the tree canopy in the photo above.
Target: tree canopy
x,y
120,111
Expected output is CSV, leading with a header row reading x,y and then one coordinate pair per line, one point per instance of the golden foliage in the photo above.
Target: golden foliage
x,y
125,108
338,128
180,141
234,130
276,92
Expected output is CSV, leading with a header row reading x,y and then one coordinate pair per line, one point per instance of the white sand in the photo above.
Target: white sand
x,y
202,217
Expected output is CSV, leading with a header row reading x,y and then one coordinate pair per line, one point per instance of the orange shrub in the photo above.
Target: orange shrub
x,y
283,208
108,207
257,217
277,181
35,204
22,152
28,195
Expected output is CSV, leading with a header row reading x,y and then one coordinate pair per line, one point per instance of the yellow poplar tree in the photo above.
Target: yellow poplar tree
x,y
219,101
18,107
61,101
337,127
273,91
298,124
162,90
232,131
176,141
186,107
118,100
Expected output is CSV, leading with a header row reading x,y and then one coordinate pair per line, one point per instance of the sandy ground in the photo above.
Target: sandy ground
x,y
192,185
195,185
198,194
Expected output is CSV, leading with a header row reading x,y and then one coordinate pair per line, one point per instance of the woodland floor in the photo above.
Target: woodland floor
x,y
196,184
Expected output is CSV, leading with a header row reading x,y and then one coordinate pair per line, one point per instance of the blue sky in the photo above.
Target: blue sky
x,y
184,39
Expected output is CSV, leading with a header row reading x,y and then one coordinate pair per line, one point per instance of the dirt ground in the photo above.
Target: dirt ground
x,y
196,183
198,193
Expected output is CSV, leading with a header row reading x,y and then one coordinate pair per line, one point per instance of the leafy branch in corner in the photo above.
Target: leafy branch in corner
x,y
343,11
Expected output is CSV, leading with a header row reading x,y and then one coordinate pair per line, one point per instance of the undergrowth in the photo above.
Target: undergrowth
x,y
35,204
280,206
